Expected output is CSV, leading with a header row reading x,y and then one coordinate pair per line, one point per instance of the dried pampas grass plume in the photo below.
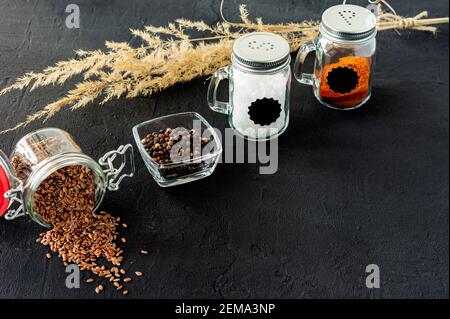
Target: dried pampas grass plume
x,y
167,55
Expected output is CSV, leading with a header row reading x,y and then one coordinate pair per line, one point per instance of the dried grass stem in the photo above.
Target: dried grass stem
x,y
123,70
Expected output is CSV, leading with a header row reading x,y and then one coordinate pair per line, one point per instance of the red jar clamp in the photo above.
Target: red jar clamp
x,y
5,184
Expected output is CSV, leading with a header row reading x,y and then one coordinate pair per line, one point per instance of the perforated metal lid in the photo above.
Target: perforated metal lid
x,y
261,52
348,23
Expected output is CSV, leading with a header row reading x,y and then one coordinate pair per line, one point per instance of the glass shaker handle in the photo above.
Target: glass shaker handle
x,y
218,106
15,195
304,78
114,176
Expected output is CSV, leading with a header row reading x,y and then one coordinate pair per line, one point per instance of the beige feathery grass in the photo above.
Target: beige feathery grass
x,y
168,55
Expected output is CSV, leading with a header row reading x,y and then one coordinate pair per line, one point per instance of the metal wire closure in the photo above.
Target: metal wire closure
x,y
114,175
15,195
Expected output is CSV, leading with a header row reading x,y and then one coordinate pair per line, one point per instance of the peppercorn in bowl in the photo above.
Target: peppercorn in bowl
x,y
178,148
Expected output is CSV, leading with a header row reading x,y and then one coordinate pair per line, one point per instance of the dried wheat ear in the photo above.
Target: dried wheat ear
x,y
168,55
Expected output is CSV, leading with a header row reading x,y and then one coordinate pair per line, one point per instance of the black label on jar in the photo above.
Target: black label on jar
x,y
264,111
342,80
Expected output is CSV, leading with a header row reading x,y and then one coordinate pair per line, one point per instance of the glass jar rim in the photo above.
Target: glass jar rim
x,y
51,165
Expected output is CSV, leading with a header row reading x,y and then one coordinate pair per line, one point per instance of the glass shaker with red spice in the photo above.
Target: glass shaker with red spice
x,y
344,63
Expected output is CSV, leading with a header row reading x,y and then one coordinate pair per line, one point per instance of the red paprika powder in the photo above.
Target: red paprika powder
x,y
345,83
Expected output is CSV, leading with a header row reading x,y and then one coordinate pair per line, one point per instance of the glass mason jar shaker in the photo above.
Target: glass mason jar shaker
x,y
259,86
39,154
344,64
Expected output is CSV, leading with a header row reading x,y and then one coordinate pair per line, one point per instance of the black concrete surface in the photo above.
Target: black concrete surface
x,y
352,189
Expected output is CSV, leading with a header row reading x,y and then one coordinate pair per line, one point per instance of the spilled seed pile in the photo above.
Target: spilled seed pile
x,y
66,201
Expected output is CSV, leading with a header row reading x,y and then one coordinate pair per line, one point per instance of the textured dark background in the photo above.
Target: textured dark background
x,y
370,186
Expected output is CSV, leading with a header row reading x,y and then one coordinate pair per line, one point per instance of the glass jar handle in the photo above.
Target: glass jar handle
x,y
15,195
304,78
114,176
218,106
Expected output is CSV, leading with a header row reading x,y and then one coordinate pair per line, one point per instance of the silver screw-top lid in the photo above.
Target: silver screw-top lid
x,y
348,23
261,52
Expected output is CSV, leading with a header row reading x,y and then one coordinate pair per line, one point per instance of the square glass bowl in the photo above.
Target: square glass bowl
x,y
182,171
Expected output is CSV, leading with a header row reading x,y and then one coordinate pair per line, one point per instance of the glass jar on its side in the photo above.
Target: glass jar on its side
x,y
344,64
40,154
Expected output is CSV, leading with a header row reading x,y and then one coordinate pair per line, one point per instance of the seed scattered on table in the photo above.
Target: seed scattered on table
x,y
125,292
66,200
138,273
144,252
128,279
123,240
